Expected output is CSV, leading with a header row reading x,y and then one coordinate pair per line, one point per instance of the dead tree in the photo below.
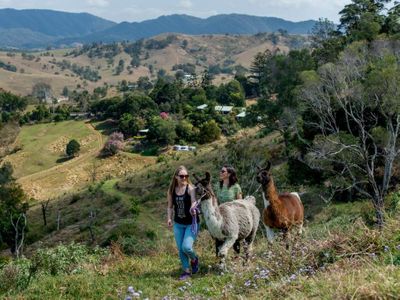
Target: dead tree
x,y
19,226
58,219
94,171
44,211
92,217
358,120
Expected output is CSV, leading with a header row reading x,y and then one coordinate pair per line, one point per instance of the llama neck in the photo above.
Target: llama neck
x,y
212,217
271,194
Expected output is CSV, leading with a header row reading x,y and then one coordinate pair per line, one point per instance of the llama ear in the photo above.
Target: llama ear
x,y
268,166
258,168
196,177
208,176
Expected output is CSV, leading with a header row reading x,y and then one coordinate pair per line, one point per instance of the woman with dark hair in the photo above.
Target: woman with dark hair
x,y
227,189
181,199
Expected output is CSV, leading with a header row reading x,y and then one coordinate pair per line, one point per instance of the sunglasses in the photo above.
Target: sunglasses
x,y
223,171
183,176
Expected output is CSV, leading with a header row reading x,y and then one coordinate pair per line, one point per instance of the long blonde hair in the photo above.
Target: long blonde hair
x,y
174,182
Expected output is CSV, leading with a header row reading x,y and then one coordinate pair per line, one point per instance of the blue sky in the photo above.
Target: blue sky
x,y
139,10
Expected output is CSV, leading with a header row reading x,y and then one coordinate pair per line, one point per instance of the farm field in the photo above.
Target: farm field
x,y
202,51
43,169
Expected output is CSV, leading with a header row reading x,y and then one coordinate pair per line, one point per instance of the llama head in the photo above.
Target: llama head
x,y
264,174
203,187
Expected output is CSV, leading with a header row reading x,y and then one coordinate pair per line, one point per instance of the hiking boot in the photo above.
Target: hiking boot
x,y
184,276
195,265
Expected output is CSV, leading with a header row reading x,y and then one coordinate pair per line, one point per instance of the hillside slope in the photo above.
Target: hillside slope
x,y
36,28
184,24
201,51
31,28
339,256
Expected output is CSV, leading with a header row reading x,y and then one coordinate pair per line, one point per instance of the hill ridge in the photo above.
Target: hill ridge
x,y
39,28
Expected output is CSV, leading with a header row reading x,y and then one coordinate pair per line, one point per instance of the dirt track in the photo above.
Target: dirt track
x,y
81,171
68,164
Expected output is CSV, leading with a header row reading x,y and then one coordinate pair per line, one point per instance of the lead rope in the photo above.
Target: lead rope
x,y
256,190
195,211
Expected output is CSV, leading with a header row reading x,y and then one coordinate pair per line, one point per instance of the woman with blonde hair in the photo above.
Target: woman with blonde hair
x,y
181,199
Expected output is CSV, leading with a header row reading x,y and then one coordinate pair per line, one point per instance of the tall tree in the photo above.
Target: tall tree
x,y
42,91
259,72
322,31
327,41
13,207
356,104
392,22
363,19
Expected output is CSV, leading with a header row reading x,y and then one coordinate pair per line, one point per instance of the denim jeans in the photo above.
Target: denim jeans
x,y
185,238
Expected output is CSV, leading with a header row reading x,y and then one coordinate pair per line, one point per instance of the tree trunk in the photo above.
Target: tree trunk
x,y
44,210
379,212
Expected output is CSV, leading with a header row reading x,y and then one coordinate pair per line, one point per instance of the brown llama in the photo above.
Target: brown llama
x,y
281,211
229,222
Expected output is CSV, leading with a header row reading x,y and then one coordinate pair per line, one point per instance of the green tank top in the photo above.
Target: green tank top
x,y
226,194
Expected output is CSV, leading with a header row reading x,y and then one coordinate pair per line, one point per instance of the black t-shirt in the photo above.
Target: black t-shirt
x,y
182,204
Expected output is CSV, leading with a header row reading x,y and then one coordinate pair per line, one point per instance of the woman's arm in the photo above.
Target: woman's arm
x,y
239,194
169,210
192,194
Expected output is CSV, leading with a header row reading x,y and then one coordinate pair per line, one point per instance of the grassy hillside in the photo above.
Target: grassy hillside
x,y
201,51
43,170
43,145
340,255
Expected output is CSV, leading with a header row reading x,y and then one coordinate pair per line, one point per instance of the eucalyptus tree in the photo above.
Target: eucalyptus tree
x,y
355,105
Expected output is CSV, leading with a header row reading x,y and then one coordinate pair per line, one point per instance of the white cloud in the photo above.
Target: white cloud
x,y
5,2
99,3
186,4
139,10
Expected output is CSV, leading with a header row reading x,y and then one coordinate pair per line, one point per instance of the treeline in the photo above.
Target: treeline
x,y
11,106
8,66
170,111
133,49
97,50
84,72
337,106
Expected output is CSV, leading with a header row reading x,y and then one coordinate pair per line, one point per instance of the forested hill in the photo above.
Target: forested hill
x,y
39,27
219,24
42,28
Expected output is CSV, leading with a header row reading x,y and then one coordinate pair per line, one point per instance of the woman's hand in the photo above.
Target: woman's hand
x,y
169,223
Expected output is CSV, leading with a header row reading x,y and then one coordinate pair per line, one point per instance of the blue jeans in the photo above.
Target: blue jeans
x,y
185,238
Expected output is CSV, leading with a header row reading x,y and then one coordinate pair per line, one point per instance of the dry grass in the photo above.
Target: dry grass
x,y
350,271
202,51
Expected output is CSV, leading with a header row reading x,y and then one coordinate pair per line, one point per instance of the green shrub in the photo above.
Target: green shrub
x,y
112,199
65,259
16,275
135,208
133,245
151,234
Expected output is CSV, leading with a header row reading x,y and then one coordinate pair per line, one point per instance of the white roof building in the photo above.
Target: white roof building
x,y
224,109
62,98
202,107
241,115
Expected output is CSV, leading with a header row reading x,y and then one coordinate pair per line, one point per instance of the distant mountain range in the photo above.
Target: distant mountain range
x,y
33,28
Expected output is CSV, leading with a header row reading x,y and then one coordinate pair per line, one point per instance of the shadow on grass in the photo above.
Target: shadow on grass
x,y
63,159
106,127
